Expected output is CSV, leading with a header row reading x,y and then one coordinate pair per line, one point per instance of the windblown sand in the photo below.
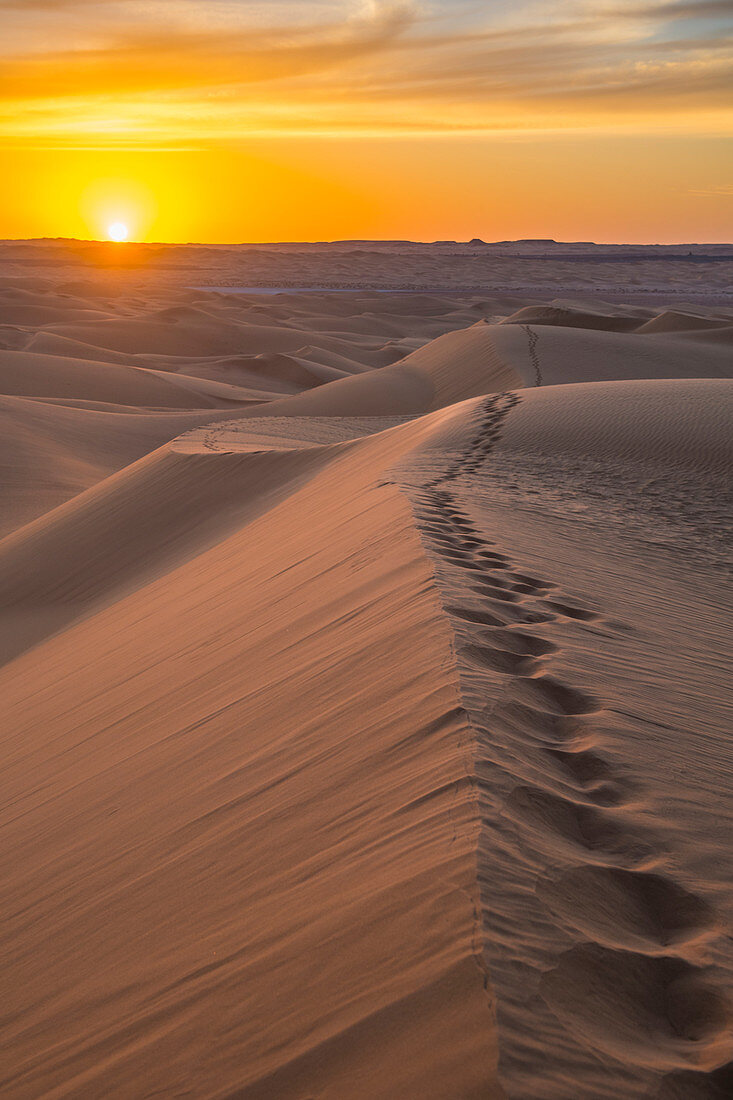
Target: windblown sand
x,y
366,696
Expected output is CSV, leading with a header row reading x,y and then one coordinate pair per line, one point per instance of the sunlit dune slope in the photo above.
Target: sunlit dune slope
x,y
163,487
73,412
212,931
274,793
371,741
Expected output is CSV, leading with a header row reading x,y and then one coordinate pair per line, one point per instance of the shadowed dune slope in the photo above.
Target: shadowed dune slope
x,y
277,371
171,334
50,453
133,526
28,374
164,487
645,424
673,321
451,368
50,343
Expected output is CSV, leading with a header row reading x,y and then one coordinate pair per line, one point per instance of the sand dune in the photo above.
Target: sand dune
x,y
169,335
289,373
31,375
516,270
491,358
51,343
50,453
571,595
673,321
398,981
553,356
455,366
568,316
371,741
722,335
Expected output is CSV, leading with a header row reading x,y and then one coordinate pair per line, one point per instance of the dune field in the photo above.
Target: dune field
x,y
366,693
655,274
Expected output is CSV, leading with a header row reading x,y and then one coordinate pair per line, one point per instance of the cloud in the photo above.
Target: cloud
x,y
724,191
683,9
165,58
348,65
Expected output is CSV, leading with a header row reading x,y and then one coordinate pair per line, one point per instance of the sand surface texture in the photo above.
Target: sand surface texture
x,y
366,695
662,273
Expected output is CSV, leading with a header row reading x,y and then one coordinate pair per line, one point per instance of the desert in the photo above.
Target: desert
x,y
366,673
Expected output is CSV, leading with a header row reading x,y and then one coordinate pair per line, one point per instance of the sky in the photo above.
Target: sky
x,y
237,120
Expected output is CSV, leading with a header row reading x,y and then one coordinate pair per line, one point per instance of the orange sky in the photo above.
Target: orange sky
x,y
324,119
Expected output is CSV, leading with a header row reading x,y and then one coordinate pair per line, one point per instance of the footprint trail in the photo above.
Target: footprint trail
x,y
582,916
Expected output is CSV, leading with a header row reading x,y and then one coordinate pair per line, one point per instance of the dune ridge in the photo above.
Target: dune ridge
x,y
371,740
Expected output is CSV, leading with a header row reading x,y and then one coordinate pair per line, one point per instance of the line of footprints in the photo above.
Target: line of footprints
x,y
643,936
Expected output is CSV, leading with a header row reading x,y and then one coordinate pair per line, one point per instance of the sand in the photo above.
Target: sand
x,y
366,682
670,275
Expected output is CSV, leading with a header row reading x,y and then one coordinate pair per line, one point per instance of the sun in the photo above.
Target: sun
x,y
117,232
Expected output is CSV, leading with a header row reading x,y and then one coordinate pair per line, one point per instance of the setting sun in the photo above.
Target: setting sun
x,y
117,232
341,119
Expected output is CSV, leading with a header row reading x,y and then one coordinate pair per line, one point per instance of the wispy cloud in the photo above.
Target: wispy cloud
x,y
174,70
722,192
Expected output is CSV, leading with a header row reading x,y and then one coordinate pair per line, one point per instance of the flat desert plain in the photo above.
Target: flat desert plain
x,y
366,727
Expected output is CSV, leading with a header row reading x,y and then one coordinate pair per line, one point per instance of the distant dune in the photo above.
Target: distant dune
x,y
700,273
366,676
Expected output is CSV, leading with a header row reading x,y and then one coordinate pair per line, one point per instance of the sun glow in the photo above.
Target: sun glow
x,y
118,232
292,120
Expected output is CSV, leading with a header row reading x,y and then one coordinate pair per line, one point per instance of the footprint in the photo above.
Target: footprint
x,y
498,660
483,618
519,615
571,612
717,1084
653,1011
526,644
553,730
439,538
534,618
634,909
495,592
458,554
582,827
585,767
534,581
558,698
494,582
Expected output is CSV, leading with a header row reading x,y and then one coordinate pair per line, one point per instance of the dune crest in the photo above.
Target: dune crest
x,y
365,689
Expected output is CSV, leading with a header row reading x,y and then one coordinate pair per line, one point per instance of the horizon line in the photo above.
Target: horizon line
x,y
475,241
